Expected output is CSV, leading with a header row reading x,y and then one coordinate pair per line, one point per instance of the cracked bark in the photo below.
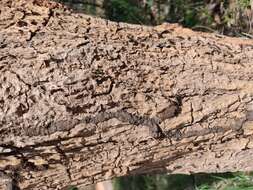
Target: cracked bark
x,y
84,99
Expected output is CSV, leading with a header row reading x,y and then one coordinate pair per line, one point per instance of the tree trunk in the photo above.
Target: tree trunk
x,y
83,99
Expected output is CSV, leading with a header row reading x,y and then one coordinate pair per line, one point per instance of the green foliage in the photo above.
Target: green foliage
x,y
72,188
157,182
226,181
186,12
224,16
235,18
126,11
238,181
243,3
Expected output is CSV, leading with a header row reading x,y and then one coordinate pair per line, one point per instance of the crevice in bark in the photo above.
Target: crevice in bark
x,y
64,160
10,180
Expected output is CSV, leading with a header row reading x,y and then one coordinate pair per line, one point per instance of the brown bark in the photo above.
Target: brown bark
x,y
83,99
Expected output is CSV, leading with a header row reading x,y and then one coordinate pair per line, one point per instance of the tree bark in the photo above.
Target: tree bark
x,y
83,99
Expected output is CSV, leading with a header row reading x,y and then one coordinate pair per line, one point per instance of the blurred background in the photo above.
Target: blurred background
x,y
225,181
227,17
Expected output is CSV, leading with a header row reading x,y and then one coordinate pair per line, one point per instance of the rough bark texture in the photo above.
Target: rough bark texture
x,y
83,99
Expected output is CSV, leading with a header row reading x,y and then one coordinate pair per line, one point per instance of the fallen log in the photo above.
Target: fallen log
x,y
84,99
